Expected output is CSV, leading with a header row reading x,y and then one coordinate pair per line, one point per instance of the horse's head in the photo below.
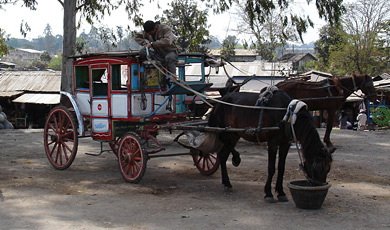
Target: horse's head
x,y
367,87
317,169
316,158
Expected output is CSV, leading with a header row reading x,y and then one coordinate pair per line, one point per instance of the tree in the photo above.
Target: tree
x,y
358,44
56,63
3,46
331,38
363,21
189,24
270,35
228,46
94,10
258,11
45,57
50,40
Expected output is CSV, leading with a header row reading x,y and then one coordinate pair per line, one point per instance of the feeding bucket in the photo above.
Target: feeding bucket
x,y
306,196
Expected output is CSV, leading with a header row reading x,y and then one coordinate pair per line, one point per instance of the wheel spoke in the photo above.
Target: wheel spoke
x,y
55,122
66,146
52,151
65,153
58,153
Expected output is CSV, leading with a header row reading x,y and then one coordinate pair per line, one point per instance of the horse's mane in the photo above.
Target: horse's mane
x,y
307,135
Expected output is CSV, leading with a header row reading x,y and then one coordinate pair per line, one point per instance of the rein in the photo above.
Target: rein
x,y
203,97
355,87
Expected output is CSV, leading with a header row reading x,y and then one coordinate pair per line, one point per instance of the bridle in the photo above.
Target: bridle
x,y
312,181
364,84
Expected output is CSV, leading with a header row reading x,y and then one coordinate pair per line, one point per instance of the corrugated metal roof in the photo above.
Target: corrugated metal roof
x,y
10,94
242,69
238,52
38,98
37,81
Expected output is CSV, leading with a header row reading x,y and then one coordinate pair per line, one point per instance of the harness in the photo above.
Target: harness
x,y
263,99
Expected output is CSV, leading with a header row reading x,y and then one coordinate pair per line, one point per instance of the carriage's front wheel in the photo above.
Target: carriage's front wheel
x,y
60,138
206,163
132,158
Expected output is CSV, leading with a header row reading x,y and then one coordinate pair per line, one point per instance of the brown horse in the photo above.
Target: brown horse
x,y
317,158
329,94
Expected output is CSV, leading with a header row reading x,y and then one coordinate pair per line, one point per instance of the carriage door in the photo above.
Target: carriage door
x,y
100,124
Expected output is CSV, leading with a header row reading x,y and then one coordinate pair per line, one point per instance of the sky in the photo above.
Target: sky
x,y
51,12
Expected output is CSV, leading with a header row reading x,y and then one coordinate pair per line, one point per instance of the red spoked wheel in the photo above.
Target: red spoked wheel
x,y
114,145
206,163
132,158
60,138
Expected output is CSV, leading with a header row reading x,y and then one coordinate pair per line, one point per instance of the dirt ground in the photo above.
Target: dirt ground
x,y
91,194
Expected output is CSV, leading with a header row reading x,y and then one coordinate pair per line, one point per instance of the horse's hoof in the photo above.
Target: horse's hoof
x,y
282,198
227,185
236,161
269,199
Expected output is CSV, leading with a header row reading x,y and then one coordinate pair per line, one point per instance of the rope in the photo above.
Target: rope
x,y
202,96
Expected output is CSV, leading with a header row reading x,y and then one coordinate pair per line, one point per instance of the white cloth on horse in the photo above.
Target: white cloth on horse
x,y
293,108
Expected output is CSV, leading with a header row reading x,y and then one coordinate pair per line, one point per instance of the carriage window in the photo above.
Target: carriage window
x,y
99,82
119,77
82,78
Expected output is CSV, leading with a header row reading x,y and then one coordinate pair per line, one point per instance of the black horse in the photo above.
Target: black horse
x,y
316,157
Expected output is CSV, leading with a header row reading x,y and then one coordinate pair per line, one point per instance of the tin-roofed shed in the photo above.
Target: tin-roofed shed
x,y
28,95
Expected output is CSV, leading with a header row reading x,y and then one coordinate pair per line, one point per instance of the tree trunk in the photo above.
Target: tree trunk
x,y
68,45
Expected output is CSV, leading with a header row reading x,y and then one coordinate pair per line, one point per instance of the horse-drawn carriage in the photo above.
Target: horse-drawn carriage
x,y
123,101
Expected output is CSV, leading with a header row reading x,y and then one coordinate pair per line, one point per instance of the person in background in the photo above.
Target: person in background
x,y
160,41
362,120
343,120
4,123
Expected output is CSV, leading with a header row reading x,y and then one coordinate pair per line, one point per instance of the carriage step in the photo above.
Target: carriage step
x,y
101,151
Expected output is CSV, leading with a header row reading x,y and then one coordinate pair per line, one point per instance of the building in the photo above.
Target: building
x,y
24,55
241,55
7,65
297,59
27,96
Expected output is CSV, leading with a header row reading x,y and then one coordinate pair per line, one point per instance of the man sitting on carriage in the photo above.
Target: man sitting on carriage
x,y
161,39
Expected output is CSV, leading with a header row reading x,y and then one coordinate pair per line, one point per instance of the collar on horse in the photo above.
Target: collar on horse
x,y
264,97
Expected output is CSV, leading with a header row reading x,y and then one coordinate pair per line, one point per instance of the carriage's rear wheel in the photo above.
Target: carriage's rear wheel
x,y
206,163
60,138
132,158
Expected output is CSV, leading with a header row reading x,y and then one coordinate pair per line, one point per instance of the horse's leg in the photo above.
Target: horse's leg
x,y
283,150
223,155
230,142
272,149
329,126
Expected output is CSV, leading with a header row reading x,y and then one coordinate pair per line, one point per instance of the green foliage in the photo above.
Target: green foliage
x,y
331,39
259,11
228,46
56,63
360,44
37,64
3,45
45,57
266,50
81,44
189,24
